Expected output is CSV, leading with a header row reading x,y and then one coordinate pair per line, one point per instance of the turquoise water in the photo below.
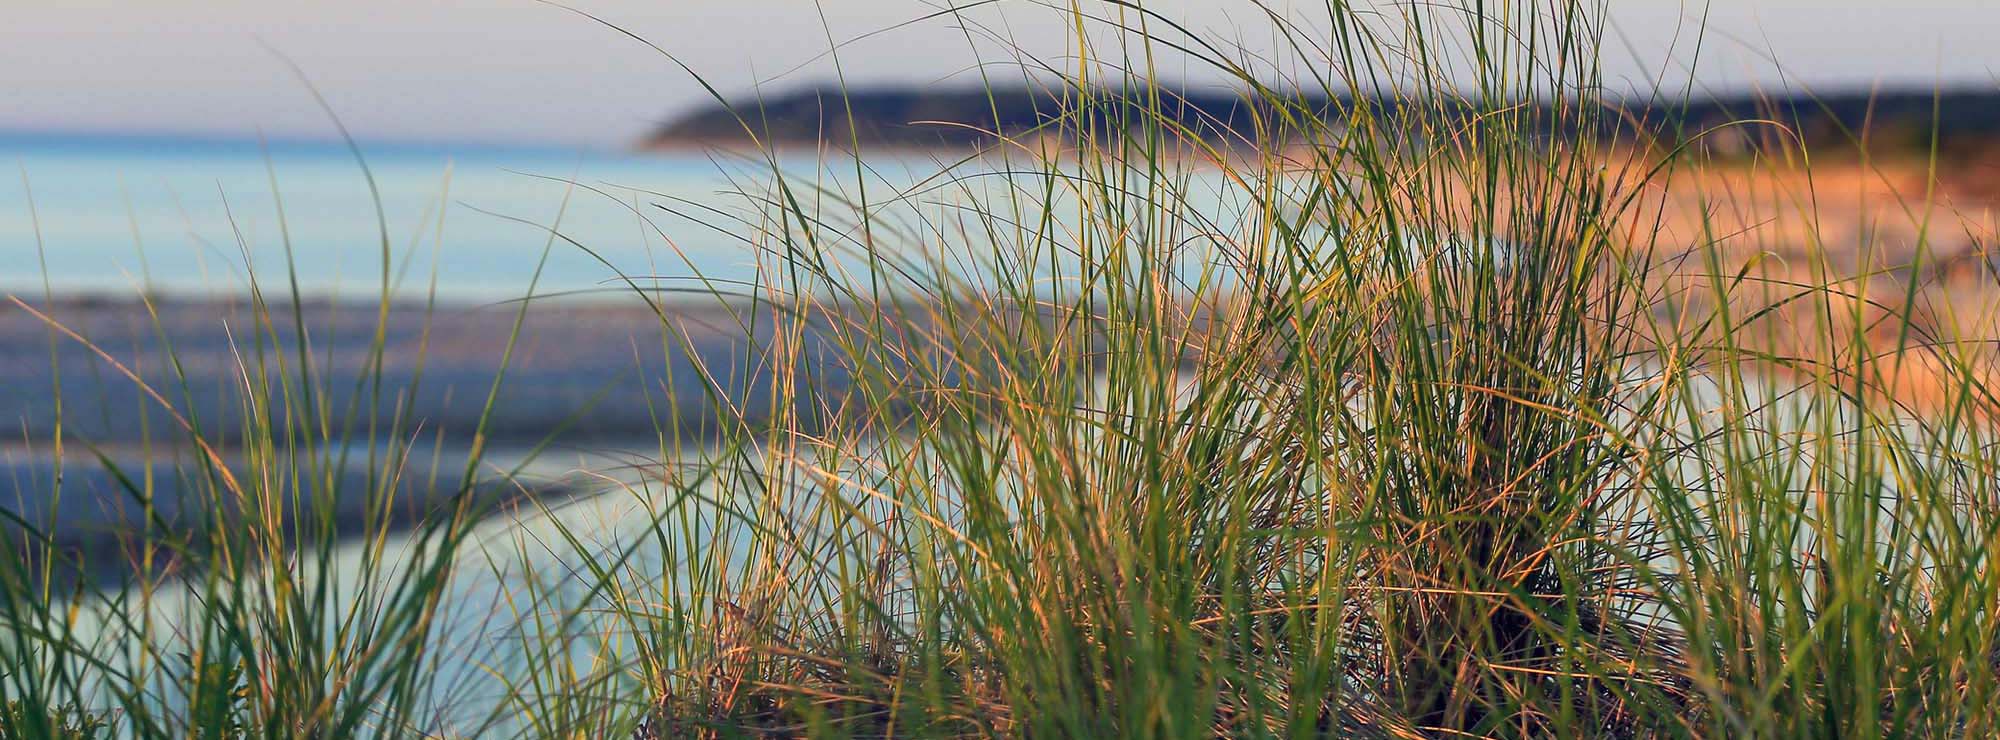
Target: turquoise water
x,y
113,216
117,215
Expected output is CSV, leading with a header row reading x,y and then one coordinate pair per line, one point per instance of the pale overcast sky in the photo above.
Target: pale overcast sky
x,y
522,71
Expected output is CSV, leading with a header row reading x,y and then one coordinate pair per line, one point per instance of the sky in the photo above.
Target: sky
x,y
521,71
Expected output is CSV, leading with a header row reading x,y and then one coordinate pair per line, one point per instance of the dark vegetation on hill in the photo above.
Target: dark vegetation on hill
x,y
915,117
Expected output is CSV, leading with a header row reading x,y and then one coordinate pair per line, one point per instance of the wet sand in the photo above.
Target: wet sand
x,y
580,376
440,364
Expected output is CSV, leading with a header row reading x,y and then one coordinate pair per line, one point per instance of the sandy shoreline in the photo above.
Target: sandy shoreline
x,y
605,375
443,363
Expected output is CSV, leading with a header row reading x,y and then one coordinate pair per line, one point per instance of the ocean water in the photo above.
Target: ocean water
x,y
112,216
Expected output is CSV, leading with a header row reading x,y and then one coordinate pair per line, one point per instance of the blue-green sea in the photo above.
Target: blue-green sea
x,y
114,215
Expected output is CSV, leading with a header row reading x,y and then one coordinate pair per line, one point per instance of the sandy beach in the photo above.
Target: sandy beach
x,y
581,376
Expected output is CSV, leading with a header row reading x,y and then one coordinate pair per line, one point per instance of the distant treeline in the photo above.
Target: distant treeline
x,y
916,118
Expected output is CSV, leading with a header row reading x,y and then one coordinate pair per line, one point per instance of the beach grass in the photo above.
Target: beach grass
x,y
1403,419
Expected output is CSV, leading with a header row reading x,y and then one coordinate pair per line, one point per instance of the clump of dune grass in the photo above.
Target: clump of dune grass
x,y
1402,419
1396,442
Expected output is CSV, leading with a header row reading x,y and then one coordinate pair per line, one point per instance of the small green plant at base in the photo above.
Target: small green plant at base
x,y
67,723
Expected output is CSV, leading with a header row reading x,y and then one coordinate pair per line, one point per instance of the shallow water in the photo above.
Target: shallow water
x,y
518,575
113,216
116,215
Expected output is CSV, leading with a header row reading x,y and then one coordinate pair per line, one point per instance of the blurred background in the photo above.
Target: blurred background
x,y
179,149
521,72
148,134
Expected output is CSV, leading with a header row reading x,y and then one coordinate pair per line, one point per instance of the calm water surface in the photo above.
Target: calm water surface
x,y
115,215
